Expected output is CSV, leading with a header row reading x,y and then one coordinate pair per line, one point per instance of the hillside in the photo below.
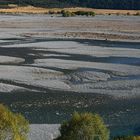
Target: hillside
x,y
103,4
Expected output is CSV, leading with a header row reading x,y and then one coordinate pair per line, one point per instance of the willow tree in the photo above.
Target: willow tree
x,y
84,126
13,126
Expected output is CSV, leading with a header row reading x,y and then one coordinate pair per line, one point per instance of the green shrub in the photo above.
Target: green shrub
x,y
127,138
85,13
84,126
12,126
67,13
91,13
79,13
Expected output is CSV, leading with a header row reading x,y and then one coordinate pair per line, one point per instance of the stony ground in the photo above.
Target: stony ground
x,y
52,66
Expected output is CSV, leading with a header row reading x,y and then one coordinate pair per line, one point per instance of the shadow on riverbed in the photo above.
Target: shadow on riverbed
x,y
25,52
51,106
56,106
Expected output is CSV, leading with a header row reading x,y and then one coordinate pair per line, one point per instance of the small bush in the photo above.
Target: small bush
x,y
67,13
51,12
12,126
79,13
137,14
84,126
128,14
63,11
85,13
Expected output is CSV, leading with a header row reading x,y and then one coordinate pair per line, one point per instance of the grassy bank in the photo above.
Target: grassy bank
x,y
37,10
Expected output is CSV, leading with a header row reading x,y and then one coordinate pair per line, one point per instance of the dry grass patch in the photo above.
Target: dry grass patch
x,y
38,10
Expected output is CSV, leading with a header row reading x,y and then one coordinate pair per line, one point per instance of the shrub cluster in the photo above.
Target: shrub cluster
x,y
81,126
67,13
84,126
12,126
137,14
85,13
79,13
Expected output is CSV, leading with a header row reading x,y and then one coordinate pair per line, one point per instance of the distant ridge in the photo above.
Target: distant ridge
x,y
101,4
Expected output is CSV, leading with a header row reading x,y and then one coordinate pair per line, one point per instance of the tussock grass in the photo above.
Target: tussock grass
x,y
37,10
